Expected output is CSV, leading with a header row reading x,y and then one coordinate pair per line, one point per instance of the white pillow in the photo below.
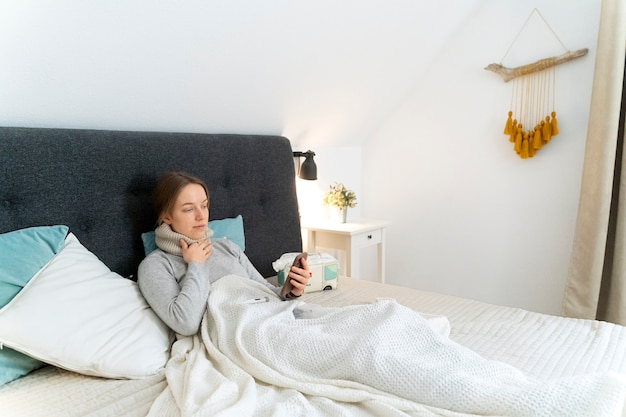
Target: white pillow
x,y
77,314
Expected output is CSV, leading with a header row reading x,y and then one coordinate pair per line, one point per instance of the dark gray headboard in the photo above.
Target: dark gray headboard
x,y
99,183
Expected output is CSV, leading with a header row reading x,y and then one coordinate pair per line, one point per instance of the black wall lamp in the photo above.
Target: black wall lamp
x,y
308,169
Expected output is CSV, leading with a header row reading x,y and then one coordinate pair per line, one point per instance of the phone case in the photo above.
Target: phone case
x,y
297,262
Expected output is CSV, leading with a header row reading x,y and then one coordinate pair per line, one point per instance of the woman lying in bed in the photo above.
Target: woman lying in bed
x,y
176,279
375,359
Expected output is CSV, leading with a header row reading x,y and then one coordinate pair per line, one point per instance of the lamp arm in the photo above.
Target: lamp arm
x,y
298,154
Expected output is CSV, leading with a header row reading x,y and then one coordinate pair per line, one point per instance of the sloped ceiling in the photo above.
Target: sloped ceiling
x,y
321,72
333,70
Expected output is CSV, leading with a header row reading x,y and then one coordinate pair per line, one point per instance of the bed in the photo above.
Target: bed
x,y
90,190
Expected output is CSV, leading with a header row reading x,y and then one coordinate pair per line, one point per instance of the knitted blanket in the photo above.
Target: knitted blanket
x,y
258,359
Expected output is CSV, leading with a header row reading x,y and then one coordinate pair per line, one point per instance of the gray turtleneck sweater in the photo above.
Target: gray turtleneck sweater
x,y
178,292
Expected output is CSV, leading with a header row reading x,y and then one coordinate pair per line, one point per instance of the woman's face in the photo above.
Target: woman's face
x,y
190,213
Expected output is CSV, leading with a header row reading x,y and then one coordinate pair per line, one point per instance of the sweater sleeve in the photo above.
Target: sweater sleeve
x,y
180,304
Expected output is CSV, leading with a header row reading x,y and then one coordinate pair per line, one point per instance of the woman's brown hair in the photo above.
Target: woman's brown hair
x,y
167,189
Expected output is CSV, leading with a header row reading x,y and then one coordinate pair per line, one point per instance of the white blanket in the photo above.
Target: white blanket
x,y
369,360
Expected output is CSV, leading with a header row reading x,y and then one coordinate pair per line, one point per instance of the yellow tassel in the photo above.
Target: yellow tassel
x,y
509,122
531,138
537,142
512,131
555,127
524,153
547,130
518,140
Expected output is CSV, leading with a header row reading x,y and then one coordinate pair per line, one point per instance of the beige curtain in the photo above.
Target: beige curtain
x,y
596,286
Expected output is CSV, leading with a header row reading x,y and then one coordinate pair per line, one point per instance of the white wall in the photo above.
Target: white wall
x,y
470,217
391,95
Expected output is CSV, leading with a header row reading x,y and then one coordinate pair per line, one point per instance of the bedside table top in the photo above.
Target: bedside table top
x,y
348,228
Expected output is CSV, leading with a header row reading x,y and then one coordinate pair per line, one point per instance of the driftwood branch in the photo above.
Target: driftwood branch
x,y
508,74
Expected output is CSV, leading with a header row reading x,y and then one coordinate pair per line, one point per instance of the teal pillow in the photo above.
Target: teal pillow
x,y
14,364
232,229
22,254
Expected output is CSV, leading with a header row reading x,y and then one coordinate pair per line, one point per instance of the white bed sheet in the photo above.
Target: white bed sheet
x,y
540,345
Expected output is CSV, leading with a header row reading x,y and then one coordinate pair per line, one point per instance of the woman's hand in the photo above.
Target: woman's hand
x,y
196,252
299,278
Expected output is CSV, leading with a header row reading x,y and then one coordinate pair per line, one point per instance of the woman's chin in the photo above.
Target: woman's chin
x,y
197,235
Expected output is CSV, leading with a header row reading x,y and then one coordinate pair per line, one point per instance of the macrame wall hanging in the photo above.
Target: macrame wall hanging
x,y
531,121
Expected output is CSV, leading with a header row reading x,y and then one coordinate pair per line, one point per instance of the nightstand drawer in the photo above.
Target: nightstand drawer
x,y
372,237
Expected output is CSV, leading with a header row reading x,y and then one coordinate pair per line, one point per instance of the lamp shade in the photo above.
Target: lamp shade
x,y
308,169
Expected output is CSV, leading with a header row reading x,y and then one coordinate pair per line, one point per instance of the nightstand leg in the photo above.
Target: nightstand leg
x,y
311,244
353,261
381,257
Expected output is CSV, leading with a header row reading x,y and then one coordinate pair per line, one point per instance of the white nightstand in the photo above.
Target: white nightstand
x,y
349,237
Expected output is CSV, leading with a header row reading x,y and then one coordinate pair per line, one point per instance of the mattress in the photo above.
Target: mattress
x,y
540,345
53,392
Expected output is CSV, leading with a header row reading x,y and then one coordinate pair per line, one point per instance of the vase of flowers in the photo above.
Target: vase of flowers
x,y
339,198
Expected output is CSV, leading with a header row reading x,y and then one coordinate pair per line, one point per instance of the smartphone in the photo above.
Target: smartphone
x,y
297,262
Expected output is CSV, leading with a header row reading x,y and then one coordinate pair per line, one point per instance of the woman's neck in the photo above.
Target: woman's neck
x,y
168,240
